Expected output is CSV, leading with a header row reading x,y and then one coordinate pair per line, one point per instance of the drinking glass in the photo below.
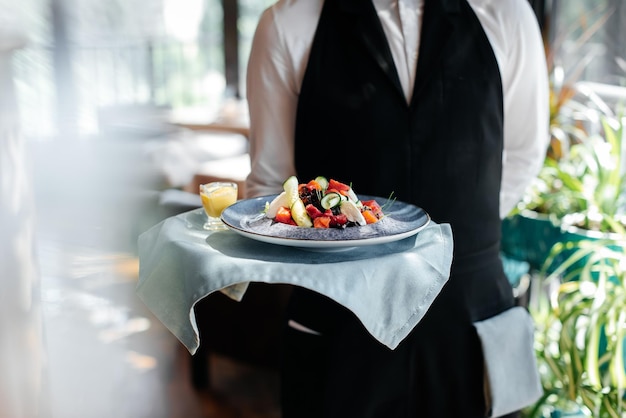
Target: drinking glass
x,y
216,197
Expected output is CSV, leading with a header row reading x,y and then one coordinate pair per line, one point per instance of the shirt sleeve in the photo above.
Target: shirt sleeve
x,y
272,102
526,103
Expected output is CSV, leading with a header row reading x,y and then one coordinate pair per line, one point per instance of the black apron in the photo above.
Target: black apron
x,y
442,152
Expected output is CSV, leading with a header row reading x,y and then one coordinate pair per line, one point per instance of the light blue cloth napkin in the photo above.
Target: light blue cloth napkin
x,y
512,378
389,287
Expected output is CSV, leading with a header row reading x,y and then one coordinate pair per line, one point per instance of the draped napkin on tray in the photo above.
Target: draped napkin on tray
x,y
389,287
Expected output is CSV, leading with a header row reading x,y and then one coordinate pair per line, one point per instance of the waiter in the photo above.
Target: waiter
x,y
445,104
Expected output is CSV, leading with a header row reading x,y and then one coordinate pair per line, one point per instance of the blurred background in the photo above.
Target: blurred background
x,y
86,57
111,113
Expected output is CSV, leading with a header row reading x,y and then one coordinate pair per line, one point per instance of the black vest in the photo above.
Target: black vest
x,y
442,151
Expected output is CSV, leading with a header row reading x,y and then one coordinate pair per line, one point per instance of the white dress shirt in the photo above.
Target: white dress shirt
x,y
280,54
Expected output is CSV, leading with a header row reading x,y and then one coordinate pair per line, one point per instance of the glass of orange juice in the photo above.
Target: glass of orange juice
x,y
216,197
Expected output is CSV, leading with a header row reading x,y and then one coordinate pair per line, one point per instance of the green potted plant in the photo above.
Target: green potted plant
x,y
581,325
535,225
594,172
580,195
580,310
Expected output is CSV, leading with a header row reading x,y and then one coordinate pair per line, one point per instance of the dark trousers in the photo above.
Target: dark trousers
x,y
312,388
436,372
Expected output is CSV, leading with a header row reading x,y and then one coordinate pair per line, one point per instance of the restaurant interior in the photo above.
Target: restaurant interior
x,y
112,114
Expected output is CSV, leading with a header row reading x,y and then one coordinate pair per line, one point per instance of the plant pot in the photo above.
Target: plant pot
x,y
574,233
573,411
529,236
571,233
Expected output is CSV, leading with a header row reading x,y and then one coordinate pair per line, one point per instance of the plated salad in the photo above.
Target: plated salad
x,y
321,203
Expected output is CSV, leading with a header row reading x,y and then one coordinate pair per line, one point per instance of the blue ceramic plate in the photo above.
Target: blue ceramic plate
x,y
402,220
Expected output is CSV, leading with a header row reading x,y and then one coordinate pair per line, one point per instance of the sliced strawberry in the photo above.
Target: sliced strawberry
x,y
337,185
338,220
313,211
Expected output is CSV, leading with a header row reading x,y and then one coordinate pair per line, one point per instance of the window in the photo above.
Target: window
x,y
90,56
87,55
585,47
